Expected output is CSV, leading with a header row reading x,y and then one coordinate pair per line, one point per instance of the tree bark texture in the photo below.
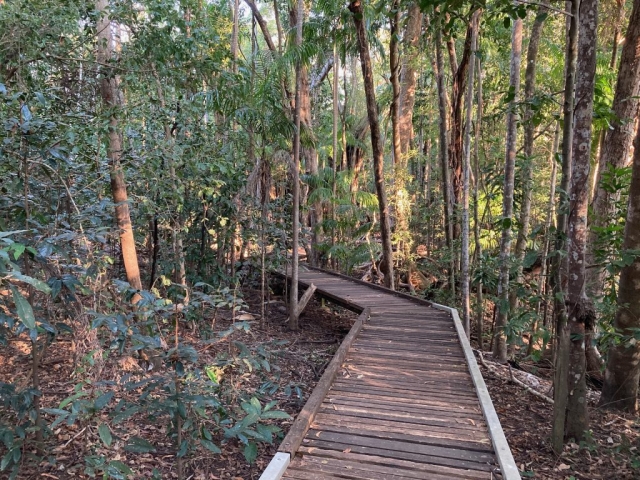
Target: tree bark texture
x,y
113,101
293,300
500,338
561,388
529,136
402,236
618,139
378,157
408,77
438,67
476,206
578,306
308,153
455,123
263,25
466,176
620,389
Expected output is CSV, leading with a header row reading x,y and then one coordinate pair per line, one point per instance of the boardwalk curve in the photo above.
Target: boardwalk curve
x,y
403,397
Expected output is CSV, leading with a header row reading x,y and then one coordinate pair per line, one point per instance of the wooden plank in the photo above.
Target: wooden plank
x,y
453,413
479,436
471,456
400,454
426,470
406,435
301,424
404,389
351,470
466,399
423,417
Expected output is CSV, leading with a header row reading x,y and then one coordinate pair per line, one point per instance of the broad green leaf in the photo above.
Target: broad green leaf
x,y
275,414
210,446
34,282
139,445
70,399
251,452
103,400
105,434
24,310
120,467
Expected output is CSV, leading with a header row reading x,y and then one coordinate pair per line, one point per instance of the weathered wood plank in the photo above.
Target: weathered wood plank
x,y
426,470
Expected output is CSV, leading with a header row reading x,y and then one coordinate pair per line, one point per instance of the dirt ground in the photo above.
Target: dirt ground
x,y
610,451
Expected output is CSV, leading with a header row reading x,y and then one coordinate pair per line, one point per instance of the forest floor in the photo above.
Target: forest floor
x,y
296,362
297,359
611,450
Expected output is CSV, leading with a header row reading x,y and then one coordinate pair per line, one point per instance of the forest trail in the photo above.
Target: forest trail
x,y
403,397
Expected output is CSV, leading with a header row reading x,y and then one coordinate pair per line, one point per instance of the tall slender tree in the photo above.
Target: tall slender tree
x,y
378,155
578,306
529,137
500,338
113,101
295,241
466,178
561,387
443,129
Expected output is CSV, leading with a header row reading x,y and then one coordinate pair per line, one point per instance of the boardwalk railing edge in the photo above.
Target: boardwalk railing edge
x,y
508,466
303,421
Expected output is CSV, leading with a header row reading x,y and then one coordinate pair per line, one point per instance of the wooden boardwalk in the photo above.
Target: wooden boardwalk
x,y
400,400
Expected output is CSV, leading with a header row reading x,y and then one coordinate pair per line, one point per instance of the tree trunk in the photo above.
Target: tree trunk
x,y
113,100
378,158
336,116
529,136
476,205
308,154
438,67
620,390
560,390
399,160
617,142
578,306
543,279
500,338
263,25
466,175
293,300
408,77
455,124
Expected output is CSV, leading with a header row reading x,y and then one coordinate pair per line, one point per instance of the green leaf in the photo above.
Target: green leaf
x,y
120,467
105,434
34,282
139,445
182,451
24,310
210,446
251,452
103,400
70,399
18,250
275,414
